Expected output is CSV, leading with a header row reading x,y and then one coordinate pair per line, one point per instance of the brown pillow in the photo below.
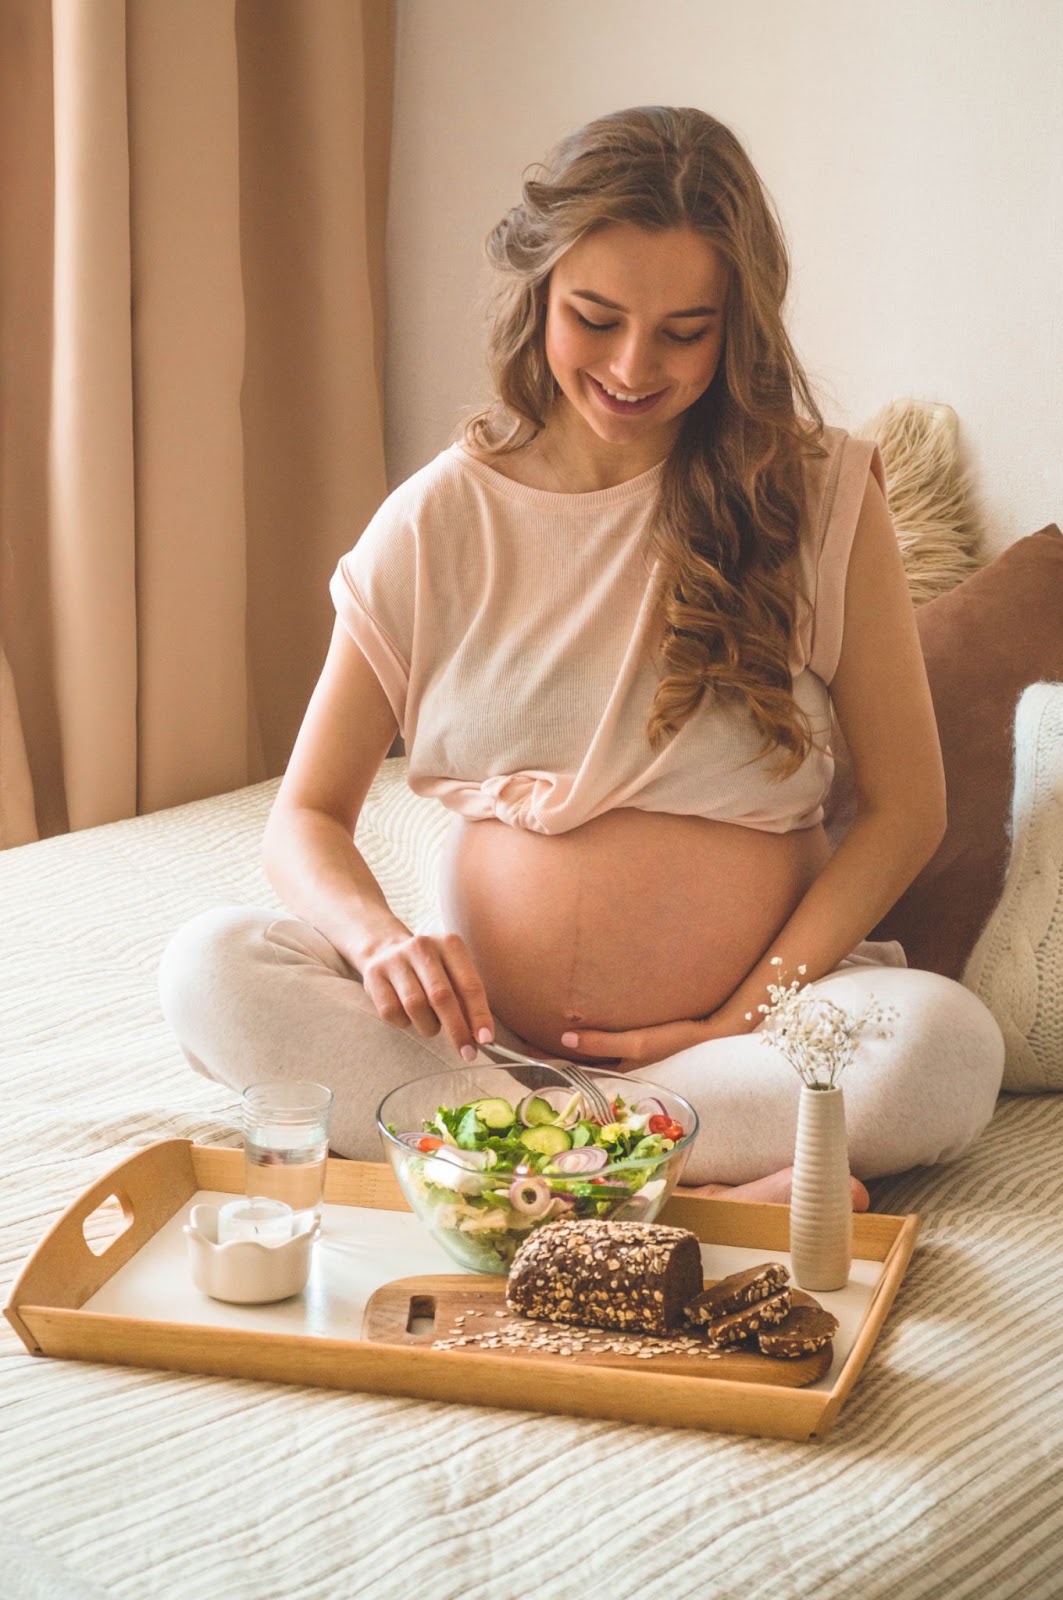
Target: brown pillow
x,y
983,643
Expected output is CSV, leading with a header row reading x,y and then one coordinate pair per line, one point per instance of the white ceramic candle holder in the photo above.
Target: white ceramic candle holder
x,y
246,1271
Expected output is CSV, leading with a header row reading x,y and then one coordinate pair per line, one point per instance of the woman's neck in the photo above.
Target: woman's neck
x,y
571,460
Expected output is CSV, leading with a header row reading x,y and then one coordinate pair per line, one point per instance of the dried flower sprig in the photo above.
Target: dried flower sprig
x,y
817,1036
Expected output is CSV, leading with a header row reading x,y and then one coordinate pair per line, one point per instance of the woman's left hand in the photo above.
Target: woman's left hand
x,y
639,1047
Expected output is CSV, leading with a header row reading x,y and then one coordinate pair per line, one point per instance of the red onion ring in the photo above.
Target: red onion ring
x,y
587,1158
650,1107
530,1196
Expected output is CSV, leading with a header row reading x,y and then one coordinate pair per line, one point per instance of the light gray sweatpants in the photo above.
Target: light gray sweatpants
x,y
253,995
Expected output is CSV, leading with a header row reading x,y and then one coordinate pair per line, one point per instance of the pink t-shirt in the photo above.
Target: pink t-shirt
x,y
509,627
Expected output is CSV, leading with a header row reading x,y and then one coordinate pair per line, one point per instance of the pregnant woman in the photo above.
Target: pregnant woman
x,y
610,621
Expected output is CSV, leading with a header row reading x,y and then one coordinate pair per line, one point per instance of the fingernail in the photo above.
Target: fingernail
x,y
570,1039
484,1036
469,1052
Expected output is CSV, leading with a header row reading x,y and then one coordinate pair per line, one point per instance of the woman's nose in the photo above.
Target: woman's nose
x,y
632,365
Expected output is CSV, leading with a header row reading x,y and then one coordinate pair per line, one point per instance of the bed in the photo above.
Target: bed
x,y
943,1476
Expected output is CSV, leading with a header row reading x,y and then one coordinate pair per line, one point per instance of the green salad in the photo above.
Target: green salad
x,y
482,1175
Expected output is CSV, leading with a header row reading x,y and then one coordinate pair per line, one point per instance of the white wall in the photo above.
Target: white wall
x,y
914,149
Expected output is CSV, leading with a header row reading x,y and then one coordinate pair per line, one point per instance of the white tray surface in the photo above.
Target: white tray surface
x,y
360,1249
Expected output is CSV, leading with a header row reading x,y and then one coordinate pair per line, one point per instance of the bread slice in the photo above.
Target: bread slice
x,y
807,1328
742,1326
739,1290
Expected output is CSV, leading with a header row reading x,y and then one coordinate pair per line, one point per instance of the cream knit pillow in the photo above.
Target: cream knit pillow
x,y
1017,965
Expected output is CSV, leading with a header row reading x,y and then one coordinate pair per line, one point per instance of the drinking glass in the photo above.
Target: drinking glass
x,y
286,1142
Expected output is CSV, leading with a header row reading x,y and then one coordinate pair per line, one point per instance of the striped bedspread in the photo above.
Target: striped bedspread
x,y
942,1479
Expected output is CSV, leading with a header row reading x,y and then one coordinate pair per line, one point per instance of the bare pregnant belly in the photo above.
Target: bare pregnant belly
x,y
635,918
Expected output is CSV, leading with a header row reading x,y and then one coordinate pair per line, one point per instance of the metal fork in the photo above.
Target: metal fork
x,y
579,1079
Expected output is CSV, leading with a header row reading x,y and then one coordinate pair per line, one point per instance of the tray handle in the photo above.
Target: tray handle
x,y
63,1271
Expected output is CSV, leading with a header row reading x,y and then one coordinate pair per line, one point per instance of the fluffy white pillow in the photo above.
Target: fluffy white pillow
x,y
930,495
1017,965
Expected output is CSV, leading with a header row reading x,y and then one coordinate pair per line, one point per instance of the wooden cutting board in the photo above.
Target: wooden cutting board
x,y
415,1312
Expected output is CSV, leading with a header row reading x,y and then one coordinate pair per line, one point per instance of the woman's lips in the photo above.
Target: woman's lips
x,y
624,408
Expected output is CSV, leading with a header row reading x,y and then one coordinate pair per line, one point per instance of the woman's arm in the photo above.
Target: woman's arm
x,y
312,862
883,704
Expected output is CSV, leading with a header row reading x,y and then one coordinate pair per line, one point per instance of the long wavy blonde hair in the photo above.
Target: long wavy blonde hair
x,y
731,503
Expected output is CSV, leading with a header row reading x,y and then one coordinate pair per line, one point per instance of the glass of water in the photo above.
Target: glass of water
x,y
286,1142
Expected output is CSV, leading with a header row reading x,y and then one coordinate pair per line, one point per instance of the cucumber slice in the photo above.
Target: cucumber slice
x,y
546,1140
495,1114
599,1191
538,1111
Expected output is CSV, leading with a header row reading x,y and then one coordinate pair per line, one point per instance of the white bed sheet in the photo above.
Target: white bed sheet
x,y
942,1479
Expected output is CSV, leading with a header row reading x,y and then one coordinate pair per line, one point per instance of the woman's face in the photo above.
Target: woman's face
x,y
635,313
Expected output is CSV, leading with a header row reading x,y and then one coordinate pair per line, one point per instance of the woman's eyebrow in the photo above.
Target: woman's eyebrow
x,y
611,305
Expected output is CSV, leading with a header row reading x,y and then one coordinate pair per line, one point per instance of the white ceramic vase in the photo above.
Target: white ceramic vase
x,y
821,1206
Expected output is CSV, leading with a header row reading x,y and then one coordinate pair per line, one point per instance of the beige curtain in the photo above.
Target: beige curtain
x,y
192,201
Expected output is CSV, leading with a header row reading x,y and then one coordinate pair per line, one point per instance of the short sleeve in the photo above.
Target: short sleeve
x,y
834,527
374,590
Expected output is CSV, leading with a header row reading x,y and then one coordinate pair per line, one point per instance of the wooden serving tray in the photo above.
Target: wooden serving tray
x,y
49,1307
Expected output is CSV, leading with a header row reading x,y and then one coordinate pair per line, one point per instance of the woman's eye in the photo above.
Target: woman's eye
x,y
606,327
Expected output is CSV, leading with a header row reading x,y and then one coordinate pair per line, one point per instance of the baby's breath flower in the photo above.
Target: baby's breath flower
x,y
817,1036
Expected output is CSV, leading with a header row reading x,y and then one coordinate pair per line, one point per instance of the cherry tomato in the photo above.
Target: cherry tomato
x,y
428,1143
666,1126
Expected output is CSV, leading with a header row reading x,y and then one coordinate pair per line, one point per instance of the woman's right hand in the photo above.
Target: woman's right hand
x,y
429,981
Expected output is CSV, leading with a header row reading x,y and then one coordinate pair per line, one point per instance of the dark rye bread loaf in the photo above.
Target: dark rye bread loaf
x,y
740,1289
634,1276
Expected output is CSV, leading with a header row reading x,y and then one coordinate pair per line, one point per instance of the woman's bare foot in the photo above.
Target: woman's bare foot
x,y
775,1189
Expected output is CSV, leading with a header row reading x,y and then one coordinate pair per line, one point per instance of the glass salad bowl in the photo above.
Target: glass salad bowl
x,y
486,1154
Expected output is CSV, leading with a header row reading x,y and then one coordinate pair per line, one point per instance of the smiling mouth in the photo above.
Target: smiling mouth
x,y
624,407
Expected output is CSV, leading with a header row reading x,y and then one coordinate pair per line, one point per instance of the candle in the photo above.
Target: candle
x,y
267,1221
